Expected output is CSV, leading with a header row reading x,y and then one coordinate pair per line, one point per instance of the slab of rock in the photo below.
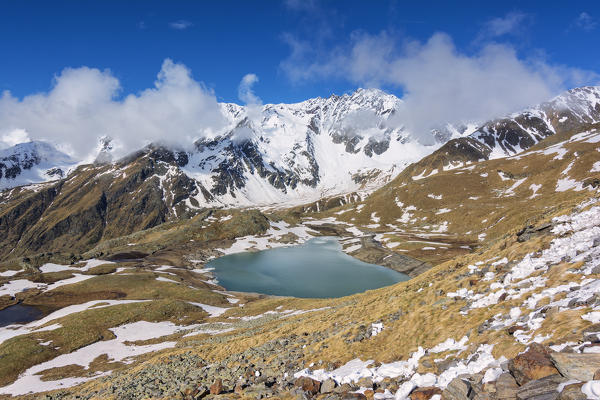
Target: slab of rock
x,y
534,364
217,387
457,389
308,385
572,392
328,385
424,393
506,387
544,388
577,366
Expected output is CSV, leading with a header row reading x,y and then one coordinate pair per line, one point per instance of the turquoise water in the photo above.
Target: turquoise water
x,y
317,269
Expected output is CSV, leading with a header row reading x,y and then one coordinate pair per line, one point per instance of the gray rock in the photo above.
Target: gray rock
x,y
457,389
541,389
328,385
506,387
346,387
445,364
577,366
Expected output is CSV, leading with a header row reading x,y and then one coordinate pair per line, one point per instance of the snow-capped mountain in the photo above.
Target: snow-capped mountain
x,y
570,112
297,153
288,153
519,131
32,162
271,155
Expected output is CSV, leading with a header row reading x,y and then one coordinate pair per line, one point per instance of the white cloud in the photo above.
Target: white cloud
x,y
83,106
511,23
245,92
181,24
14,137
586,22
440,83
253,105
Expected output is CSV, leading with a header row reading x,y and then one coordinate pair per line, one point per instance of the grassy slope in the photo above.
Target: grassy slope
x,y
428,316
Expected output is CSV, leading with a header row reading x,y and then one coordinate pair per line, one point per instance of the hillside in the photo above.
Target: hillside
x,y
156,185
503,255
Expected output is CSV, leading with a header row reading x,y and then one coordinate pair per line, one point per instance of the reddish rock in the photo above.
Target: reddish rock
x,y
369,394
425,393
308,385
217,387
535,363
239,388
597,375
513,329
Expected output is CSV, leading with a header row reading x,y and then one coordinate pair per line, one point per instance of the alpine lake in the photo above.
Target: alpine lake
x,y
316,269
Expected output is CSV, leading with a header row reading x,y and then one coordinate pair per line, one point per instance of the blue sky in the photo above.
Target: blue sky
x,y
222,41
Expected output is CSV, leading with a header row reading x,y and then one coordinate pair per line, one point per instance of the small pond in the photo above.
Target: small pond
x,y
19,314
318,269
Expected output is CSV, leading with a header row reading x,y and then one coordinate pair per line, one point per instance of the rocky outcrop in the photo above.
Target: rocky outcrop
x,y
374,253
533,364
577,366
544,388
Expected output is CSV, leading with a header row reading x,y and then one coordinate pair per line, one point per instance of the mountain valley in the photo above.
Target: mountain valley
x,y
497,223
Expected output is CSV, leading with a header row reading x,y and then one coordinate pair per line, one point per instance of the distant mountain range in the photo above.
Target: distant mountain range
x,y
297,153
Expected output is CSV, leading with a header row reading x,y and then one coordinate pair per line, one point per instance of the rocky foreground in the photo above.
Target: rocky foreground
x,y
538,373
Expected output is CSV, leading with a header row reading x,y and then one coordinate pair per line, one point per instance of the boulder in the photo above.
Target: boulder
x,y
344,388
308,385
534,364
506,387
445,364
544,388
353,396
593,337
457,389
424,393
572,392
577,366
217,387
365,383
328,385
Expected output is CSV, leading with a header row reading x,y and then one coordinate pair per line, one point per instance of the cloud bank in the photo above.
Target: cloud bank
x,y
84,105
440,83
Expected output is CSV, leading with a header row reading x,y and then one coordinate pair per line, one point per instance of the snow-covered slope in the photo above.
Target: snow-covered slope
x,y
32,162
519,131
301,152
571,112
